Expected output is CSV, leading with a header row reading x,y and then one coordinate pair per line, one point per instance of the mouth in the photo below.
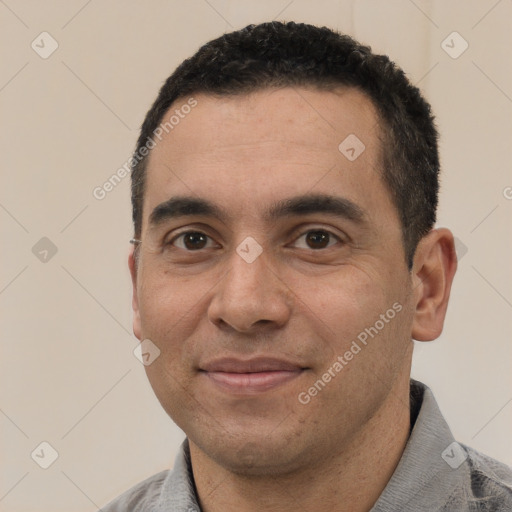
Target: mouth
x,y
250,376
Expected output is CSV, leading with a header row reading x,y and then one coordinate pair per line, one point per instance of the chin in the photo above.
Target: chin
x,y
255,455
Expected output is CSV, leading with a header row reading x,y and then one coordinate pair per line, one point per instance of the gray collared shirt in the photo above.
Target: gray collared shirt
x,y
435,474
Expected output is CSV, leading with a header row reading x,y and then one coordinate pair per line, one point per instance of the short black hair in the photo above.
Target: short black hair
x,y
277,54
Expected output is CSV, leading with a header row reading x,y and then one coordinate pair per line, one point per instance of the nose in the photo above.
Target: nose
x,y
250,296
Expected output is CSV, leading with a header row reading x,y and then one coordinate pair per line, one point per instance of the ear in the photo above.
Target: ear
x,y
132,264
435,264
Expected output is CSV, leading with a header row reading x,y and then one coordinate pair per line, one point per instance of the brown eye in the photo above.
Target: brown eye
x,y
317,239
191,240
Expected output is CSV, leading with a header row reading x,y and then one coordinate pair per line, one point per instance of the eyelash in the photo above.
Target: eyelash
x,y
303,233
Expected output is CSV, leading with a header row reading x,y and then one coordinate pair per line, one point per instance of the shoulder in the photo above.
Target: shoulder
x,y
166,491
490,486
141,497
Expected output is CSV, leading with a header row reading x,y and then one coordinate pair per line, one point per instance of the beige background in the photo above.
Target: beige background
x,y
68,374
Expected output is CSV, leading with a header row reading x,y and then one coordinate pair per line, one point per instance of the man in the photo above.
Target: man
x,y
284,193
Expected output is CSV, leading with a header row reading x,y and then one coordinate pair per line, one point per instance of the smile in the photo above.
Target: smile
x,y
252,376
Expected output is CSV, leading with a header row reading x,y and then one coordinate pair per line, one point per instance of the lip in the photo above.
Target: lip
x,y
250,376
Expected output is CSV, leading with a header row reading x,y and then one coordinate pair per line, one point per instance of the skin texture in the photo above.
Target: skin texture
x,y
267,450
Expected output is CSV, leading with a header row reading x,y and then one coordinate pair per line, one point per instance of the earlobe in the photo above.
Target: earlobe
x,y
435,264
132,264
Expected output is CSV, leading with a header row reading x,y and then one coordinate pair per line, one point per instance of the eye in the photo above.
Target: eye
x,y
317,239
192,241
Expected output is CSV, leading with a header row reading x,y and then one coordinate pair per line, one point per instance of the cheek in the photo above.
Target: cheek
x,y
168,308
341,305
169,313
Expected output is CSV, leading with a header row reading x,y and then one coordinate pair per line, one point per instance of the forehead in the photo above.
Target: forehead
x,y
310,117
267,145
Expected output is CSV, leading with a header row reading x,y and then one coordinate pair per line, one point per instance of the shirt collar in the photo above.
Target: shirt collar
x,y
432,464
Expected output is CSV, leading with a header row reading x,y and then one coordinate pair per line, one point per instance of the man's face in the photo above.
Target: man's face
x,y
252,308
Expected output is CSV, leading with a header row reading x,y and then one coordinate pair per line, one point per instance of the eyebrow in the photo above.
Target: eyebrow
x,y
183,206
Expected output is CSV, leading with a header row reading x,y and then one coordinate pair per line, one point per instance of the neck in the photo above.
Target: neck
x,y
350,480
